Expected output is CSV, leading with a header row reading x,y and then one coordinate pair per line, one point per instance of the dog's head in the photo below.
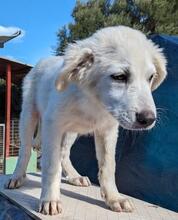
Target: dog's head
x,y
120,67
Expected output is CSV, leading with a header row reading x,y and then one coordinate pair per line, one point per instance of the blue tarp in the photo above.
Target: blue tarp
x,y
146,162
9,211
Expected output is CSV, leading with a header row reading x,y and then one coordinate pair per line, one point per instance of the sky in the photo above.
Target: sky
x,y
39,21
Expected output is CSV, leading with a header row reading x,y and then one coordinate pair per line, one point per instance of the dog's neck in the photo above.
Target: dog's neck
x,y
85,113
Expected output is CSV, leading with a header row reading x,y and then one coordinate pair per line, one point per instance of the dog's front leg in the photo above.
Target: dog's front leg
x,y
51,168
105,142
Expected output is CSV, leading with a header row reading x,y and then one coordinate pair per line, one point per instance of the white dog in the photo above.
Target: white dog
x,y
101,82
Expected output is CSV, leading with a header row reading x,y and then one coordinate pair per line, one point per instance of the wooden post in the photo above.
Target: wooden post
x,y
8,113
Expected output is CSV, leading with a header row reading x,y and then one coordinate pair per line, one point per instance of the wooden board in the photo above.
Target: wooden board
x,y
81,203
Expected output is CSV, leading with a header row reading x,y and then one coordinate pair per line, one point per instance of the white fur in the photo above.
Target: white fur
x,y
88,101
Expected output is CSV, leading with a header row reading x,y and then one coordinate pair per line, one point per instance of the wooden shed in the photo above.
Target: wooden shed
x,y
11,74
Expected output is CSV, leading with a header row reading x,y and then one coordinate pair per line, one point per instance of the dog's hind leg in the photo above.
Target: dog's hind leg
x,y
69,171
27,127
28,121
36,143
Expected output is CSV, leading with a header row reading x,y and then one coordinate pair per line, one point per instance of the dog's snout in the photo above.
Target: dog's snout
x,y
145,118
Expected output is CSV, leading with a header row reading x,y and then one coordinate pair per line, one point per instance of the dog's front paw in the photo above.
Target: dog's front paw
x,y
79,181
50,207
120,205
15,182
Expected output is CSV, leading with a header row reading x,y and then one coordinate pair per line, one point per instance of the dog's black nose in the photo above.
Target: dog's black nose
x,y
145,118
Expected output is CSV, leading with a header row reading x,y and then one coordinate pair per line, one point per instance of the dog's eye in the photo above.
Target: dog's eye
x,y
120,78
151,77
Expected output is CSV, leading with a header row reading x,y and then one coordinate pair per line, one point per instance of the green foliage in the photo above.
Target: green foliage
x,y
2,82
164,14
62,35
161,16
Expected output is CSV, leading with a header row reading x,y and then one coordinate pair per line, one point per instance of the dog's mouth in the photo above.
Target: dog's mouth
x,y
129,125
133,122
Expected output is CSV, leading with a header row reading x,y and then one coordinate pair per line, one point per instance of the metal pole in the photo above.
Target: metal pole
x,y
8,114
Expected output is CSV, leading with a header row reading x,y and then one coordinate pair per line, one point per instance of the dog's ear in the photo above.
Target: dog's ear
x,y
160,63
77,62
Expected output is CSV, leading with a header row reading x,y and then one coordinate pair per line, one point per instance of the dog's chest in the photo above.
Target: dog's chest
x,y
84,123
82,114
